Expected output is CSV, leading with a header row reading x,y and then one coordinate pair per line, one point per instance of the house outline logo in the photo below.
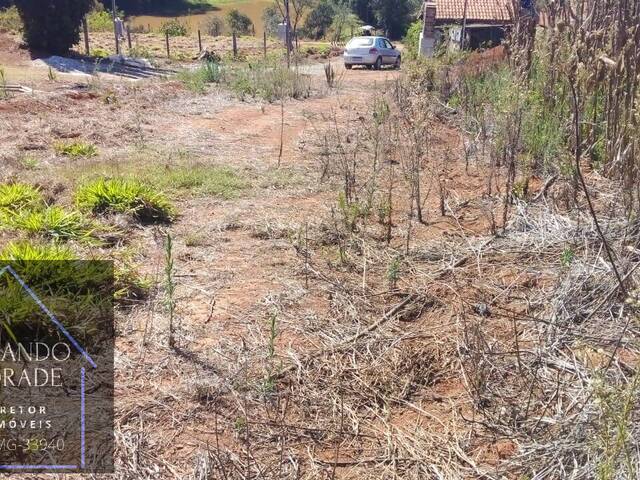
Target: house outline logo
x,y
7,269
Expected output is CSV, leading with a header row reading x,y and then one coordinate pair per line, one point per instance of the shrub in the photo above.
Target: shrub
x,y
412,40
319,20
29,251
196,80
271,18
99,52
124,196
100,21
52,25
75,149
214,26
53,222
174,28
239,23
210,180
10,20
269,82
17,196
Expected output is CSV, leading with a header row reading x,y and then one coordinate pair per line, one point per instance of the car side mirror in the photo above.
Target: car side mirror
x,y
393,46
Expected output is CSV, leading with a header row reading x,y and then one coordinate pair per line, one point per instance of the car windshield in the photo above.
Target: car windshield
x,y
360,42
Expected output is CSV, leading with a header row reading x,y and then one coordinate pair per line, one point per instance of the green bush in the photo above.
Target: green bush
x,y
197,80
16,196
214,26
269,81
53,222
29,251
10,20
319,20
75,149
52,25
412,40
239,23
174,28
124,196
100,21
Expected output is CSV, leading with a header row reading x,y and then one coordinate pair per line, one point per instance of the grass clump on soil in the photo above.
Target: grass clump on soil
x,y
127,196
75,149
269,81
197,80
28,251
53,222
16,196
222,182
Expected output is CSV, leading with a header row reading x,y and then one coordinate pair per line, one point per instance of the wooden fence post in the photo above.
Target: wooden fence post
x,y
235,45
129,37
264,43
166,37
199,41
85,29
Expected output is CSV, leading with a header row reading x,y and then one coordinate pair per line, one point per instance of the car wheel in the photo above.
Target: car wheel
x,y
378,64
397,64
348,66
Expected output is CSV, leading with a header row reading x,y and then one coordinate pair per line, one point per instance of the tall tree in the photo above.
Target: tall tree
x,y
394,16
52,25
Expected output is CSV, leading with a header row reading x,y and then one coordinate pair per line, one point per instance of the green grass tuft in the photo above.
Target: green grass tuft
x,y
16,196
29,251
197,80
206,180
126,196
75,149
53,222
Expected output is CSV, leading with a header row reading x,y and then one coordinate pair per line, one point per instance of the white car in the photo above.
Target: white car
x,y
373,52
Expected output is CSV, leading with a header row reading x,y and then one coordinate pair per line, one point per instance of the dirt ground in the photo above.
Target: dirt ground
x,y
212,403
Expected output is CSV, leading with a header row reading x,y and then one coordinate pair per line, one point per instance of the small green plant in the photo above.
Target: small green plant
x,y
53,222
269,81
197,80
101,20
351,212
393,271
567,256
138,51
170,287
75,149
3,85
99,52
29,163
29,251
51,75
124,196
16,196
174,28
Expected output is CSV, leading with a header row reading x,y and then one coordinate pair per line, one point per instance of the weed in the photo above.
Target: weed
x,y
567,256
174,28
100,20
29,163
128,284
53,222
170,287
198,79
51,75
75,149
29,251
10,20
124,196
16,196
268,81
99,52
393,271
222,182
